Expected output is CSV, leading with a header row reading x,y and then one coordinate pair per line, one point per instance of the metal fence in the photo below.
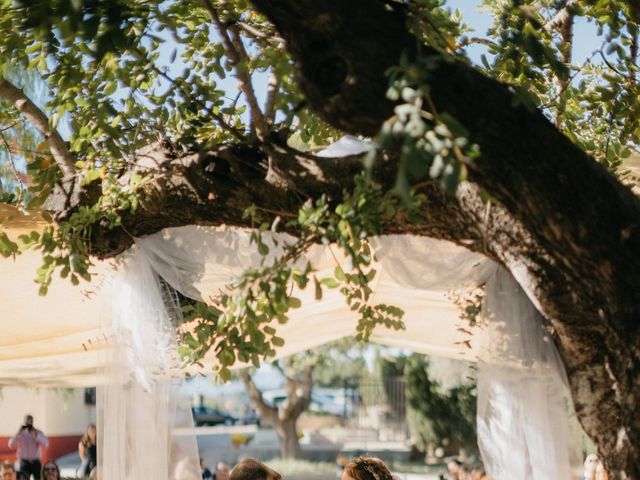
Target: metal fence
x,y
378,410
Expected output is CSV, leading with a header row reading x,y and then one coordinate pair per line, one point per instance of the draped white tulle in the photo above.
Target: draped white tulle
x,y
139,407
522,414
522,407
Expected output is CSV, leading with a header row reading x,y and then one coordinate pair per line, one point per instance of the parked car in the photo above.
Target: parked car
x,y
251,418
211,416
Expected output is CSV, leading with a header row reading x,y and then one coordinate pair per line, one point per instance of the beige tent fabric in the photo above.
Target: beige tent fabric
x,y
50,340
55,340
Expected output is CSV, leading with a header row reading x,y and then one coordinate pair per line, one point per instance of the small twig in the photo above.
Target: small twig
x,y
236,52
257,34
218,118
9,127
276,212
572,77
14,169
432,107
270,104
604,59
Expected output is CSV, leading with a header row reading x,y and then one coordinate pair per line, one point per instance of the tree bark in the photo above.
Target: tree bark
x,y
567,229
288,435
284,418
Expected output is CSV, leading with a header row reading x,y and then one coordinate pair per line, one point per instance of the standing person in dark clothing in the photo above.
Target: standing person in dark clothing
x,y
29,442
88,449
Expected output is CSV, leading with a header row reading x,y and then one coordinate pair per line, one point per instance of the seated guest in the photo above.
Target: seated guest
x,y
221,472
7,471
50,471
250,469
366,468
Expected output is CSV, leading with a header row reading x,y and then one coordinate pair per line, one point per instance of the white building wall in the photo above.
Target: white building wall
x,y
55,411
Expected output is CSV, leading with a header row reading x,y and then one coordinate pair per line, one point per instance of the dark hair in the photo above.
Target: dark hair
x,y
367,468
4,465
250,469
45,464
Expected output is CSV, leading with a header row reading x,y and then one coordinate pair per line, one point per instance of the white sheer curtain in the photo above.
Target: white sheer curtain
x,y
522,390
140,409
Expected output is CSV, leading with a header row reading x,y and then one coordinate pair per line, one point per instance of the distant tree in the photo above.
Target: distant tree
x,y
438,418
343,364
332,365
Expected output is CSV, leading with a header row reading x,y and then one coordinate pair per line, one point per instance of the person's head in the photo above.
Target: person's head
x,y
222,471
28,420
366,468
90,433
7,471
250,469
50,471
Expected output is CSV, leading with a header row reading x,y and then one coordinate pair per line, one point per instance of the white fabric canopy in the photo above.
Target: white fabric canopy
x,y
54,340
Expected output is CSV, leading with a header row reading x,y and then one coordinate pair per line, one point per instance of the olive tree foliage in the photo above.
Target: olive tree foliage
x,y
128,80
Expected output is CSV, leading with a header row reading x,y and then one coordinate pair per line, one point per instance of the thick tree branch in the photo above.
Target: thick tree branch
x,y
562,16
39,120
264,409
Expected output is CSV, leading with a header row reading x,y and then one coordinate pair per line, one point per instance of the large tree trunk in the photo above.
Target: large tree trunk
x,y
566,229
288,437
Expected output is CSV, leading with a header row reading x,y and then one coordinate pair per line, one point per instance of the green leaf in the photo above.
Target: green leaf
x,y
330,282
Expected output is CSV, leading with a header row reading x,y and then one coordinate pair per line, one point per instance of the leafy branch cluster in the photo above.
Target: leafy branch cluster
x,y
594,101
97,70
431,144
66,245
238,323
